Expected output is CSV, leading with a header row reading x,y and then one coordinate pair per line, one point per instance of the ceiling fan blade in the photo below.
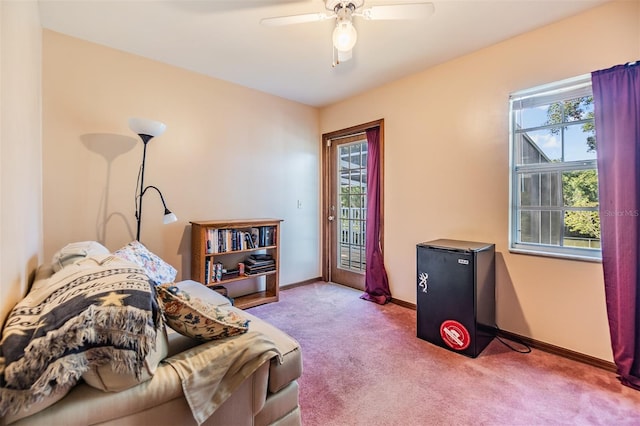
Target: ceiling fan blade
x,y
295,19
398,11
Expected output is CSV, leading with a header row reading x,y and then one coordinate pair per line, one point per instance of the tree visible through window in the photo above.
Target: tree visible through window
x,y
554,181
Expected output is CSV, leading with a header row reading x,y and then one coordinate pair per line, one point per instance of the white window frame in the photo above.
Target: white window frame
x,y
558,91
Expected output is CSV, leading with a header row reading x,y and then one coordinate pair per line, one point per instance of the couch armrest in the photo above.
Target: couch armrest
x,y
280,374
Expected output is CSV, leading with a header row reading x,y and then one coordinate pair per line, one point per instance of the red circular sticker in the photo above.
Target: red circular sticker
x,y
455,335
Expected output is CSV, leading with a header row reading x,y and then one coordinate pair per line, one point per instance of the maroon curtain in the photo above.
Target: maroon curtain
x,y
616,94
376,285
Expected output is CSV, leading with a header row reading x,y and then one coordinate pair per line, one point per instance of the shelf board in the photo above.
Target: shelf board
x,y
222,253
236,223
254,299
240,278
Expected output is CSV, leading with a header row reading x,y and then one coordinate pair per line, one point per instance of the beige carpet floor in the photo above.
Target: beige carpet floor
x,y
364,365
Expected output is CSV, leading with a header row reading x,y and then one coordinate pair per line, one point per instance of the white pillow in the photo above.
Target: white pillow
x,y
73,252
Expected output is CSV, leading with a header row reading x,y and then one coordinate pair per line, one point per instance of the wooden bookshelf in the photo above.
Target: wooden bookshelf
x,y
225,242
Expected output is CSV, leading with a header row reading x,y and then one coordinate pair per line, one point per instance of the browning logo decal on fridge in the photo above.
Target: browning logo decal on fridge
x,y
456,295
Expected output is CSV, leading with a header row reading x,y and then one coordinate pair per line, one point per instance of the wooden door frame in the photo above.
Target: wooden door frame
x,y
326,190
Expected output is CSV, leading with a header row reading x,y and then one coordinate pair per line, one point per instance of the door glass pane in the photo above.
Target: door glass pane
x,y
352,217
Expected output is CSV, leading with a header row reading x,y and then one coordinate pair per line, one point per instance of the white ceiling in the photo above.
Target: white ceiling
x,y
224,38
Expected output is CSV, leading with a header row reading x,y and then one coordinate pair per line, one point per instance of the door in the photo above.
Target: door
x,y
345,204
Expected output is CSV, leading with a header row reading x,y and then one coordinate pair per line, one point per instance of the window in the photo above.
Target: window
x,y
554,180
352,221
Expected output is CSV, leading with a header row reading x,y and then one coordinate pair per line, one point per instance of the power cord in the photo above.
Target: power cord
x,y
518,341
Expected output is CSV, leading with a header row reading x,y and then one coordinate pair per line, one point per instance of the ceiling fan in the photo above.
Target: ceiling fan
x,y
344,34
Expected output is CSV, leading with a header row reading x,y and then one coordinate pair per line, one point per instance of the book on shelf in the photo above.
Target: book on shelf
x,y
261,256
267,236
230,274
270,235
212,271
248,240
255,237
252,263
259,270
212,241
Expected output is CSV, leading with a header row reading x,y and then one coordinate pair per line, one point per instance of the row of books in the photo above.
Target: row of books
x,y
226,240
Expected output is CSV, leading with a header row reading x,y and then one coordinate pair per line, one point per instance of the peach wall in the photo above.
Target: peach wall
x,y
20,149
228,152
447,168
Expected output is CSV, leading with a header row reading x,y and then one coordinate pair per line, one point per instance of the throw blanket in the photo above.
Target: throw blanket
x,y
97,311
211,375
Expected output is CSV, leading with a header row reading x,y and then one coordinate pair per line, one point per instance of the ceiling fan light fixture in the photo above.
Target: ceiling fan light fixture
x,y
344,36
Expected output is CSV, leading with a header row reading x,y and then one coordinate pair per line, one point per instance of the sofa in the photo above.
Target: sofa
x,y
236,370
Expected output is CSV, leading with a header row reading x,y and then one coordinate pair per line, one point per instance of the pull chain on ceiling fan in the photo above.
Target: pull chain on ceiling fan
x,y
344,34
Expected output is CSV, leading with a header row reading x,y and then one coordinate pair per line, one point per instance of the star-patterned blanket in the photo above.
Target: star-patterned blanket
x,y
97,311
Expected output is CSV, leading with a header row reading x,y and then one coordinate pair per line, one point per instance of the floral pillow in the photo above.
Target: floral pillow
x,y
199,320
158,270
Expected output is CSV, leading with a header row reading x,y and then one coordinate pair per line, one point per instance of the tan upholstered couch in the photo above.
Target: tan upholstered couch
x,y
269,396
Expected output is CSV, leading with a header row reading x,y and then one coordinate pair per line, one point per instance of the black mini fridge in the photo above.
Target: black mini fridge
x,y
456,295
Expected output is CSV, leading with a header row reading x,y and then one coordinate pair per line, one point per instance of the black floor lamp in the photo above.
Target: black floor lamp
x,y
147,130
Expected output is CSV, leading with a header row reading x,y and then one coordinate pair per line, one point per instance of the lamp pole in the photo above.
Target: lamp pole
x,y
145,139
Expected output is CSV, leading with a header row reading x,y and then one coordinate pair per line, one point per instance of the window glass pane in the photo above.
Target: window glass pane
x,y
355,202
529,226
555,227
580,108
344,213
541,227
554,113
550,227
580,188
539,146
355,155
355,182
356,259
343,154
579,142
527,118
582,226
344,255
582,229
356,237
540,189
